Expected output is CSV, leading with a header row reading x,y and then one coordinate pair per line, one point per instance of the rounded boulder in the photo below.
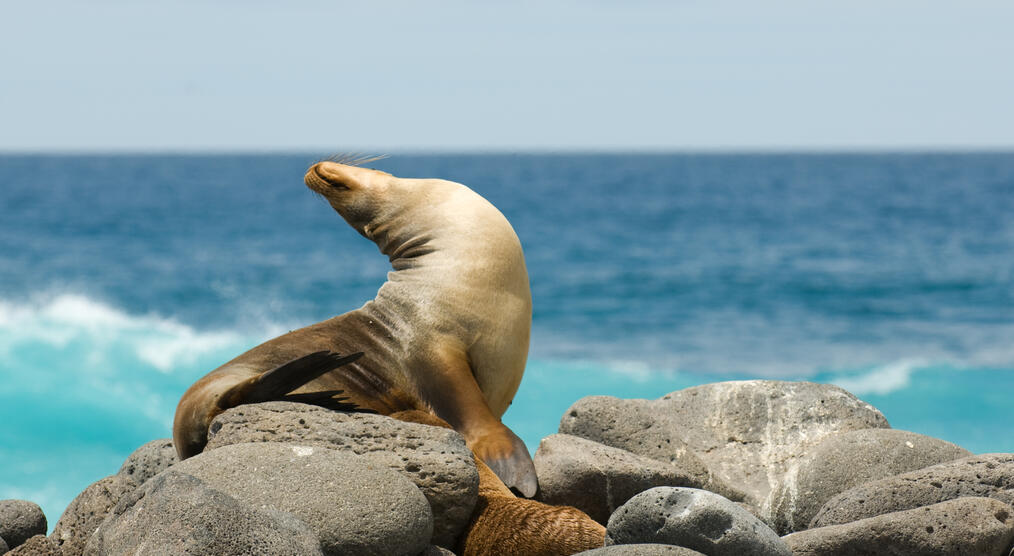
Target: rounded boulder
x,y
852,458
985,475
149,460
19,521
961,526
178,514
353,505
692,518
436,459
597,479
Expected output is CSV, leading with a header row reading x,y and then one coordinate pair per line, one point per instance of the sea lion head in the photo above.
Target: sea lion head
x,y
360,195
390,211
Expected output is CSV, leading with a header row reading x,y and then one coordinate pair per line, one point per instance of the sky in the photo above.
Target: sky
x,y
393,76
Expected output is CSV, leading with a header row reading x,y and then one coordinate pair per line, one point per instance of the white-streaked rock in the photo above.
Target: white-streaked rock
x,y
852,458
749,434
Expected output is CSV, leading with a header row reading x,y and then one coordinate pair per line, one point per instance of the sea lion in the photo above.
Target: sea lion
x,y
506,525
447,332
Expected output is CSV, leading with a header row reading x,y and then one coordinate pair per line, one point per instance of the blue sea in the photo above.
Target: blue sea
x,y
125,278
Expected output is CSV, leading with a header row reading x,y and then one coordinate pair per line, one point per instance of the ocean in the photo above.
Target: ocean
x,y
124,278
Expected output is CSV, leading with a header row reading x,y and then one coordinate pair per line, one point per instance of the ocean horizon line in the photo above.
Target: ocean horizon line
x,y
873,150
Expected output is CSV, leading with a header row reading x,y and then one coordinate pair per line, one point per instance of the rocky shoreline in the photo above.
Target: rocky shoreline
x,y
731,468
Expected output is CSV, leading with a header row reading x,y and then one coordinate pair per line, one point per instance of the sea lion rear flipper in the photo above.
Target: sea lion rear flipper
x,y
285,378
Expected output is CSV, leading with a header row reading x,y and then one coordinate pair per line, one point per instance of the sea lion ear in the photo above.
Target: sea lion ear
x,y
276,383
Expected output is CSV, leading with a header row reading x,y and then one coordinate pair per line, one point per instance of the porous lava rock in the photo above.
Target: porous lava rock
x,y
149,460
19,521
960,526
852,458
175,513
354,505
597,479
86,512
436,459
692,518
748,434
986,475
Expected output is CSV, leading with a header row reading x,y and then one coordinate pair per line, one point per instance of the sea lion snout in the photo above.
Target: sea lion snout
x,y
327,176
324,177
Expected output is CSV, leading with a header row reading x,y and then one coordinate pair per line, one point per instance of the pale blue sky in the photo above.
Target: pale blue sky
x,y
400,75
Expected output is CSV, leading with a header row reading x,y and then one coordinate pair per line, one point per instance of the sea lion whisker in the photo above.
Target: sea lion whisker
x,y
354,158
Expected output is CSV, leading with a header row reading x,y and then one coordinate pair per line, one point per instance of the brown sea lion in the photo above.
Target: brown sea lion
x,y
505,525
446,334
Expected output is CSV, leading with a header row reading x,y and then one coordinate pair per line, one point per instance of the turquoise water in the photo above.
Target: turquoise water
x,y
125,278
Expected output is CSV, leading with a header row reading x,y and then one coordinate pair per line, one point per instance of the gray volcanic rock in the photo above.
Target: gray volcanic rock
x,y
19,521
435,550
175,513
847,459
640,550
3,546
693,518
962,526
149,460
86,512
39,545
987,475
353,504
435,459
637,426
749,434
597,479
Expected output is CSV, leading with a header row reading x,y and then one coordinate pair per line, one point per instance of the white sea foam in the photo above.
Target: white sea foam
x,y
161,343
882,380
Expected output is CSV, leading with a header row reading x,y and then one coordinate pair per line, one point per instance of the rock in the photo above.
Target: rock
x,y
353,505
637,426
597,479
19,521
961,526
988,475
435,459
435,550
39,545
86,512
641,550
852,458
149,460
693,518
749,434
3,546
178,514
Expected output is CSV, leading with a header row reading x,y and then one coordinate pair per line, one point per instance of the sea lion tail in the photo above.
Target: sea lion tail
x,y
276,383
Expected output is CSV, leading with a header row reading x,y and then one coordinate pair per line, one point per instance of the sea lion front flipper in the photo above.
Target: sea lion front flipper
x,y
285,378
452,393
508,457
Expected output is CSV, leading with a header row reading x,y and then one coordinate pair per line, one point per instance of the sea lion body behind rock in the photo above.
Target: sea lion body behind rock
x,y
447,333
